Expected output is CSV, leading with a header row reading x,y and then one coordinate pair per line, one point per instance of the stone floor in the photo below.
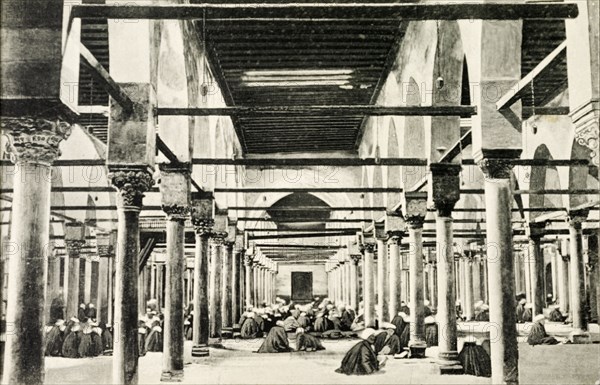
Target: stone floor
x,y
236,364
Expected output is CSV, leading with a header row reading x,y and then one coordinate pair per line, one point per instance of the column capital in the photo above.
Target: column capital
x,y
415,209
395,236
131,183
355,258
445,186
229,245
496,168
176,212
577,217
218,237
585,120
34,140
368,247
535,230
203,226
74,247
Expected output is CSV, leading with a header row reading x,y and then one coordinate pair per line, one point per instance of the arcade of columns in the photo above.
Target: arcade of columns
x,y
223,268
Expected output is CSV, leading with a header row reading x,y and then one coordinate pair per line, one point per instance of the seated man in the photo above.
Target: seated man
x,y
250,328
521,310
276,341
538,335
555,315
483,314
431,331
361,359
307,342
322,323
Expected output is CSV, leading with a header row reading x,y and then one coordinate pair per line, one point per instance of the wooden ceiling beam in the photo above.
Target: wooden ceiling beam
x,y
398,11
331,110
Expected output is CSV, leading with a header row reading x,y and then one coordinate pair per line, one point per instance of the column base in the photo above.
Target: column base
x,y
580,337
449,363
417,348
200,351
172,376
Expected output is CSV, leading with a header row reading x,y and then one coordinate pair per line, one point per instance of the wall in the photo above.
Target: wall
x,y
284,279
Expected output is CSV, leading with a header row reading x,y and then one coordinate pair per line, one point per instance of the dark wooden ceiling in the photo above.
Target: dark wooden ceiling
x,y
278,53
540,38
361,46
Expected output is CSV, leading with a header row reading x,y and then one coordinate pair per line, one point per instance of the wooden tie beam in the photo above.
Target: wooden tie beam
x,y
310,11
321,110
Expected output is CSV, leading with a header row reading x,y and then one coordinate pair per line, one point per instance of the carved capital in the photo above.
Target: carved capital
x,y
218,238
586,124
176,212
445,187
415,209
355,258
577,217
203,226
395,237
496,168
248,260
415,221
74,247
34,140
369,247
536,230
106,251
131,184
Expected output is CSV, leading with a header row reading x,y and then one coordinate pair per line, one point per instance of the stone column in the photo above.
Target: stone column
x,y
105,253
131,183
203,222
469,299
73,251
354,261
236,287
33,146
369,284
446,309
53,287
87,287
382,273
249,279
347,287
175,198
255,282
563,274
226,270
215,285
395,269
528,262
579,333
554,270
172,369
415,209
535,233
501,280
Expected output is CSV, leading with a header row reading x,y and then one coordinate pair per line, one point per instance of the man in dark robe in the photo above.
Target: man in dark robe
x,y
404,308
276,341
555,315
249,327
538,335
431,331
81,313
474,359
91,312
361,358
521,310
483,314
57,309
304,322
321,323
55,338
73,333
306,342
346,320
